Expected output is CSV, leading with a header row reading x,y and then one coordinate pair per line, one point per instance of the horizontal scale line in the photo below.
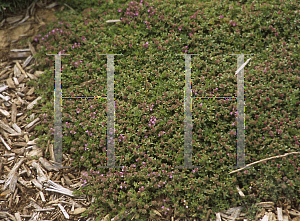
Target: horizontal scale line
x,y
213,97
85,97
106,97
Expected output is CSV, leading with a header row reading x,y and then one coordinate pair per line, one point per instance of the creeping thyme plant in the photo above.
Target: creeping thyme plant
x,y
149,82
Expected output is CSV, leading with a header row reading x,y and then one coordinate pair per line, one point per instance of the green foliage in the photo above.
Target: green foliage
x,y
80,5
148,83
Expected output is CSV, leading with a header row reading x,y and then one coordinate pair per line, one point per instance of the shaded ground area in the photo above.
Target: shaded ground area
x,y
14,36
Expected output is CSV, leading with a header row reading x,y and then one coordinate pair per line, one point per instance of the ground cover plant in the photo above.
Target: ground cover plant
x,y
149,103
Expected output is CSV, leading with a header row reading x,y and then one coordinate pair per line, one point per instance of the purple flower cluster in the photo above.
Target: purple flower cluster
x,y
152,121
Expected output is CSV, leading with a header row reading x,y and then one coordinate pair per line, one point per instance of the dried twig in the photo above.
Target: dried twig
x,y
243,65
256,162
58,188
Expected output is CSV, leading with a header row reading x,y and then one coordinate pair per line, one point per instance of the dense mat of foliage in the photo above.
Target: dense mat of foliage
x,y
149,102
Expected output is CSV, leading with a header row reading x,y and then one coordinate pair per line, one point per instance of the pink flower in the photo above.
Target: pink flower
x,y
221,16
276,34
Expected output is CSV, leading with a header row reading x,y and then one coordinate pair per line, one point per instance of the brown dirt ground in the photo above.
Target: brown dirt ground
x,y
10,38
